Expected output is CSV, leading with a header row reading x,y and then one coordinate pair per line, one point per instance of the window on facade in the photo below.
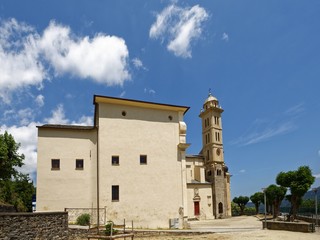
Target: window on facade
x,y
143,159
55,164
115,193
218,172
79,164
220,207
115,160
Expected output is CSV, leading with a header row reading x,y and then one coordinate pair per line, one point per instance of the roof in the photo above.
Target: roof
x,y
138,103
71,127
194,156
195,182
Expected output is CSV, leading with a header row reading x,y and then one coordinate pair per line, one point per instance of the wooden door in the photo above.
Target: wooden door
x,y
196,208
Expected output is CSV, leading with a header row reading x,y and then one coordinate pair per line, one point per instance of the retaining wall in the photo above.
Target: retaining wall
x,y
289,226
46,225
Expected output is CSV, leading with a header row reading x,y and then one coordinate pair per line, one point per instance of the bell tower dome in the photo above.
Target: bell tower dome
x,y
212,150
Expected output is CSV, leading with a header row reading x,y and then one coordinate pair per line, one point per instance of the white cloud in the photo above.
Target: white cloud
x,y
39,100
263,129
181,26
225,37
317,175
102,58
19,65
138,64
242,171
26,116
83,121
264,134
26,56
58,116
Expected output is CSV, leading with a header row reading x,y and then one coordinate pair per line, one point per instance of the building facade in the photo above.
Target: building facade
x,y
133,164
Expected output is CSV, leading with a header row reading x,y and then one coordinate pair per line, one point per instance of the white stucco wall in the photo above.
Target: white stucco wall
x,y
150,194
205,194
67,187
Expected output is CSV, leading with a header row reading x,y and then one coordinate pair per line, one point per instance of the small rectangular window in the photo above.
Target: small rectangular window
x,y
115,193
79,164
143,159
115,160
55,164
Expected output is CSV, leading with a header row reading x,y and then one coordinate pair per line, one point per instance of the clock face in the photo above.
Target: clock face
x,y
218,151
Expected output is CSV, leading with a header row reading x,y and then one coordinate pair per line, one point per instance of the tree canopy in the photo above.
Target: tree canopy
x,y
241,201
299,182
9,157
15,188
257,199
275,194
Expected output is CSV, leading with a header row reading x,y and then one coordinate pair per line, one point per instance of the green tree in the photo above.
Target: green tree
x,y
275,194
241,201
15,188
257,199
9,156
299,182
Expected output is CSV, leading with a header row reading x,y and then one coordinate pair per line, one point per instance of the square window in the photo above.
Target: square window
x,y
143,159
115,193
55,164
115,160
79,164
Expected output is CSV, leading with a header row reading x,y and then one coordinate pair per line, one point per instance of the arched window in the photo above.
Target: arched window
x,y
220,208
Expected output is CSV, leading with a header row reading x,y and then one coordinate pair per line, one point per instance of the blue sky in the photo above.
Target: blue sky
x,y
261,59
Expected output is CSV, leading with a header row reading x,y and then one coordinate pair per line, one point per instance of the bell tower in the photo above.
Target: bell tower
x,y
212,150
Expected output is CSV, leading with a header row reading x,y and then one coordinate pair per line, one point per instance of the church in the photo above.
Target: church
x,y
132,164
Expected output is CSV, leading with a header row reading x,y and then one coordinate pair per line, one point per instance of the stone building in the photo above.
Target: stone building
x,y
133,164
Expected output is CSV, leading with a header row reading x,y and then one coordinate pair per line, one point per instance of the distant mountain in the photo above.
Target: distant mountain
x,y
310,194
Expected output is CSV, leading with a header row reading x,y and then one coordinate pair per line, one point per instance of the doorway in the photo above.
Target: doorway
x,y
196,208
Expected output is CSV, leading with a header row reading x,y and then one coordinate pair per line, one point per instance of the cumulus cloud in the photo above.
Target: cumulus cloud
x,y
19,65
58,117
179,27
27,57
101,58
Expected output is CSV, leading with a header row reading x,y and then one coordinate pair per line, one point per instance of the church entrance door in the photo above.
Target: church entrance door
x,y
196,208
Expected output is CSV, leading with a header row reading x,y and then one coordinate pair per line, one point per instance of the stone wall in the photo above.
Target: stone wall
x,y
289,226
47,225
7,208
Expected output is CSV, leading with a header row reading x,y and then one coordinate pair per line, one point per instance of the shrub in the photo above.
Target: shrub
x,y
83,219
109,229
